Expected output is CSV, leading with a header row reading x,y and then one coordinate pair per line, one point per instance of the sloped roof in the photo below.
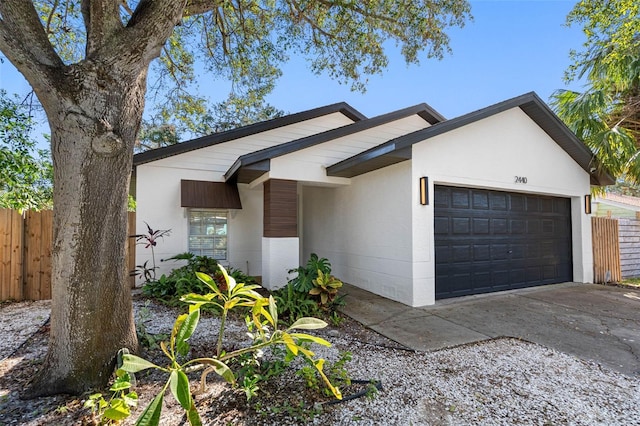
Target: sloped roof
x,y
263,126
627,200
250,166
399,149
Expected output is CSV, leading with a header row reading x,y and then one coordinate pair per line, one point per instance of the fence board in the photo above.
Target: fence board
x,y
630,247
11,255
606,250
5,252
32,255
46,229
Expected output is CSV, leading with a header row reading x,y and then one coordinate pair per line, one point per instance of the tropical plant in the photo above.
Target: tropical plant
x,y
326,287
606,115
118,406
303,281
293,304
149,240
184,280
262,322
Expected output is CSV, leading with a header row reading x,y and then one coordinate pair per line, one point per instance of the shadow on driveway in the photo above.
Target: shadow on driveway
x,y
592,322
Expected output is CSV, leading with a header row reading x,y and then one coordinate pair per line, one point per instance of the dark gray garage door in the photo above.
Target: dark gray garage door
x,y
490,241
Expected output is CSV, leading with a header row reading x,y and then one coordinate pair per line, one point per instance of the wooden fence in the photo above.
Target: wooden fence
x,y
629,234
606,250
25,256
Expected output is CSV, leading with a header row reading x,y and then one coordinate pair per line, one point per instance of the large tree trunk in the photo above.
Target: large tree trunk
x,y
93,131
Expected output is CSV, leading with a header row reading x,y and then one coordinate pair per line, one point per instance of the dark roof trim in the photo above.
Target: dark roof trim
x,y
423,110
529,103
251,129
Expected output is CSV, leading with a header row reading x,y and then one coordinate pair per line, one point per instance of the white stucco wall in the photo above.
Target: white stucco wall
x,y
364,229
280,255
378,236
158,195
490,154
158,201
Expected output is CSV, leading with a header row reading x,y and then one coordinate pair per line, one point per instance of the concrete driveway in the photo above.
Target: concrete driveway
x,y
592,322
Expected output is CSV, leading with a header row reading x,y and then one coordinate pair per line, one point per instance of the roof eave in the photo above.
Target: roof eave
x,y
251,129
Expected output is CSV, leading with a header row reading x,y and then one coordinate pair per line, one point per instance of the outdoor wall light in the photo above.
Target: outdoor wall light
x,y
424,191
587,204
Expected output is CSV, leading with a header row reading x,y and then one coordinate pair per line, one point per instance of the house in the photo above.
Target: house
x,y
407,205
616,205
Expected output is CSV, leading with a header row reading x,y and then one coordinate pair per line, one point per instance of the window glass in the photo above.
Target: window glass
x,y
208,233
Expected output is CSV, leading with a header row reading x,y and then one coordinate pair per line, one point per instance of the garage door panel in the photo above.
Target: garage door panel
x,y
498,241
481,252
518,226
499,226
459,199
480,226
461,253
461,225
480,201
498,201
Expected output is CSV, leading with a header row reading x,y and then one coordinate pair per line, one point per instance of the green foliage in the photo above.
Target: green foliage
x,y
303,281
293,304
184,280
336,373
118,407
26,173
245,43
326,287
262,326
606,115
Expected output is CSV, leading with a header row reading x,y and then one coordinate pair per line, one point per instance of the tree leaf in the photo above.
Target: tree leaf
x,y
117,411
186,330
308,323
209,282
151,415
310,338
221,369
179,385
133,364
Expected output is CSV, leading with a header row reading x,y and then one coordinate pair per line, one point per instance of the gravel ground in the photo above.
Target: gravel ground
x,y
498,382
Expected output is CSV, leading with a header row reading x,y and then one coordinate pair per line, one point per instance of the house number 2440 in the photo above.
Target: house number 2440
x,y
520,179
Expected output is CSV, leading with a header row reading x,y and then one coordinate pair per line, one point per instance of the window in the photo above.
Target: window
x,y
208,233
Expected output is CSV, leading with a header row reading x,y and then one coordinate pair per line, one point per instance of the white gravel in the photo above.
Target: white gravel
x,y
18,321
498,382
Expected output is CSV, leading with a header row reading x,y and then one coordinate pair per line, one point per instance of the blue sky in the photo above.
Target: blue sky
x,y
512,47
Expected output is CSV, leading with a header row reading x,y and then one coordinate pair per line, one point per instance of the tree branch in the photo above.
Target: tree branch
x,y
198,7
101,20
24,41
149,27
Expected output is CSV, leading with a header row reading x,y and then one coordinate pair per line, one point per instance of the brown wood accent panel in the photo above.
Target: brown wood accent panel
x,y
212,195
280,208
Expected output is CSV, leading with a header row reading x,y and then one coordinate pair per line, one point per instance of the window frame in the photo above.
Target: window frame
x,y
214,237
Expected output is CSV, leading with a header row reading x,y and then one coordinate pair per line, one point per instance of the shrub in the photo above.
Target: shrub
x,y
314,282
184,280
293,304
262,326
303,282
